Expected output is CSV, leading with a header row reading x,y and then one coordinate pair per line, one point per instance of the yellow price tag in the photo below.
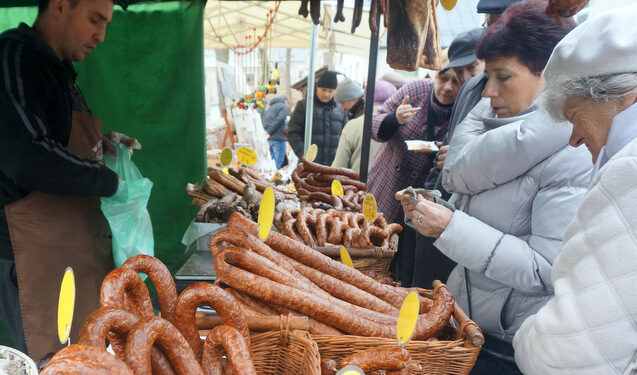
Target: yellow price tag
x,y
311,152
66,305
350,370
246,155
337,188
226,156
225,170
369,207
266,213
448,4
407,318
345,258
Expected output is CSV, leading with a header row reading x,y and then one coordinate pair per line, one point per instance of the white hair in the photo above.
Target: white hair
x,y
603,88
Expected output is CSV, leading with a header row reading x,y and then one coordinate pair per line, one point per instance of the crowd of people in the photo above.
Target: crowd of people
x,y
533,234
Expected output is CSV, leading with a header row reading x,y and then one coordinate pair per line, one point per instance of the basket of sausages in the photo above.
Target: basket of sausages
x,y
313,183
370,245
171,343
347,311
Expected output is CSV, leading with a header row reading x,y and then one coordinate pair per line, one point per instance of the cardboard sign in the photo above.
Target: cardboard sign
x,y
337,188
311,152
66,306
345,258
266,213
407,318
246,155
226,157
369,207
448,4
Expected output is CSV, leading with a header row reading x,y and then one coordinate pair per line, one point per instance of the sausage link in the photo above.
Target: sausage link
x,y
328,366
325,264
373,10
80,359
213,296
114,325
339,17
256,305
124,289
151,331
161,277
302,227
312,180
378,359
311,166
335,226
226,339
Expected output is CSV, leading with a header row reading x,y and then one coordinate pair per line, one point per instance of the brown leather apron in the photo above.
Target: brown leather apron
x,y
50,232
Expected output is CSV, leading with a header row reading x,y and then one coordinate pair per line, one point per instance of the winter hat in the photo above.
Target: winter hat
x,y
604,44
394,78
383,91
494,6
347,90
462,50
327,80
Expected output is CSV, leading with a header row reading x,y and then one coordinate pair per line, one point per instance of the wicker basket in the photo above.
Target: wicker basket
x,y
455,355
377,259
285,352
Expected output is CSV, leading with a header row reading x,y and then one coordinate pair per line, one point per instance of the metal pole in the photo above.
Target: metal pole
x,y
369,101
309,106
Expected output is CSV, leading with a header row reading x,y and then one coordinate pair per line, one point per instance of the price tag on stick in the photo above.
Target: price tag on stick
x,y
345,258
311,152
226,157
66,306
448,4
337,188
369,207
246,155
407,318
266,213
350,370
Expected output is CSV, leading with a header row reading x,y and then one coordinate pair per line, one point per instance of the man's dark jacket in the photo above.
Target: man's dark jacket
x,y
327,124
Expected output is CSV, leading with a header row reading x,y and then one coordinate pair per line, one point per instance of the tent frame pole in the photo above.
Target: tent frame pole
x,y
369,102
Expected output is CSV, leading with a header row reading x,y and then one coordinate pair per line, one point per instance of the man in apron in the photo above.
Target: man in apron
x,y
51,173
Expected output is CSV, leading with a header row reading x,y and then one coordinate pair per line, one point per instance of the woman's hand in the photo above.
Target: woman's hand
x,y
405,112
442,155
429,218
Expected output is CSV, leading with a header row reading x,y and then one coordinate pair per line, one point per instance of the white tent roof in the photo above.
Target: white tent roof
x,y
226,23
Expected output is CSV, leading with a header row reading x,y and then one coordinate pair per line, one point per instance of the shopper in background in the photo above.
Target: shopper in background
x,y
395,78
327,121
349,95
51,174
589,326
429,263
348,154
516,185
420,110
274,124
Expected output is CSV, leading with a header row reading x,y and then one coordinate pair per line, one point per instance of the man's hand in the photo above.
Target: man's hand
x,y
116,137
405,112
442,156
429,218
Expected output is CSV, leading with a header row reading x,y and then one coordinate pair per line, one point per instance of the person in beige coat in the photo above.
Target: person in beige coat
x,y
348,153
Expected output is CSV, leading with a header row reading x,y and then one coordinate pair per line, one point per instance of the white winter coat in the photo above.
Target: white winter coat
x,y
590,326
517,185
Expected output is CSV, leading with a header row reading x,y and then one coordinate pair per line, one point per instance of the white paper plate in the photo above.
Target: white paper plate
x,y
14,362
421,146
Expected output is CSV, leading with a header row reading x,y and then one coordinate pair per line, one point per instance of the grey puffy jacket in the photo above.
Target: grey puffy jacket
x,y
517,184
327,125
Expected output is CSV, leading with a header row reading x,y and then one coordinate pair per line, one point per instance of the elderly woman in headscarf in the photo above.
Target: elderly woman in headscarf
x,y
590,325
516,183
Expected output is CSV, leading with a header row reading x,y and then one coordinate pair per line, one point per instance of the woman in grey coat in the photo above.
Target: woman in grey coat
x,y
516,183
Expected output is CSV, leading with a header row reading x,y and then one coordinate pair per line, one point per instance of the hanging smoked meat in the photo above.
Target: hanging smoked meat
x,y
412,33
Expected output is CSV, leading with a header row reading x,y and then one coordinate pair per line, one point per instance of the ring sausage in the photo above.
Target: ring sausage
x,y
378,359
79,359
226,339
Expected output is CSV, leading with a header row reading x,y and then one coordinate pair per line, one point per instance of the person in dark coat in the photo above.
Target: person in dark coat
x,y
327,124
274,124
